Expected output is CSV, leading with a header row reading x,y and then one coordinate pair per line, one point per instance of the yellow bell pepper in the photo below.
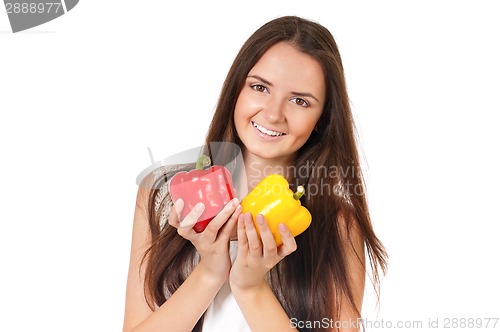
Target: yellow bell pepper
x,y
273,199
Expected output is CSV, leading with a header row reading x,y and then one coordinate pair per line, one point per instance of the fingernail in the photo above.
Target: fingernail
x,y
249,220
199,207
260,219
231,204
177,205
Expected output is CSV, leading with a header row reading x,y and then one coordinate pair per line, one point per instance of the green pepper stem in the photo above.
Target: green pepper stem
x,y
203,161
298,194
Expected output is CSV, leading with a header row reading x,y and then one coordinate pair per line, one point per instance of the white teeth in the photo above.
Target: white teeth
x,y
267,131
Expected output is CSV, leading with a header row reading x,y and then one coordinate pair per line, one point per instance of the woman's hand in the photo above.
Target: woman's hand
x,y
213,243
257,255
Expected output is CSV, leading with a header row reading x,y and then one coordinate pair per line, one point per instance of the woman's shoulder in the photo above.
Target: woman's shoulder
x,y
169,170
155,177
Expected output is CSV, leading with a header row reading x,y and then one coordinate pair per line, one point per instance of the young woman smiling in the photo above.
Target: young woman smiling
x,y
284,103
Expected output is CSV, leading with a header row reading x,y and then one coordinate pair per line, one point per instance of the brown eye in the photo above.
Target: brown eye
x,y
259,88
300,102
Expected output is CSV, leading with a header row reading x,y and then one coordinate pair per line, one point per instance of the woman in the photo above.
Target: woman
x,y
285,104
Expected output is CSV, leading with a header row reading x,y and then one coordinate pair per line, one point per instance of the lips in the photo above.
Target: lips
x,y
266,131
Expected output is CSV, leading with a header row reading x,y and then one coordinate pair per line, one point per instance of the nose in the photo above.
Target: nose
x,y
274,110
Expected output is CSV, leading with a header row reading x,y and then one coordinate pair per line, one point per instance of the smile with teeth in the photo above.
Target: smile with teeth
x,y
267,131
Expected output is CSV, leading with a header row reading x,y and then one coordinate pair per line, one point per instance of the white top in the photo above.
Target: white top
x,y
224,314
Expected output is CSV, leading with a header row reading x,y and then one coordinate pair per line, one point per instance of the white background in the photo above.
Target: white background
x,y
83,96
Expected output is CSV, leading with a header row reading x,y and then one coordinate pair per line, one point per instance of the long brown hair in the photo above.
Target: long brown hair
x,y
315,292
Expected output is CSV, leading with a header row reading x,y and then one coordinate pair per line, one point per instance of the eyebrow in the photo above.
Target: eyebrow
x,y
261,79
300,94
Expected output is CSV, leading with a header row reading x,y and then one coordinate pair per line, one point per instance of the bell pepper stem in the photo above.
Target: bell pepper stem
x,y
203,161
298,194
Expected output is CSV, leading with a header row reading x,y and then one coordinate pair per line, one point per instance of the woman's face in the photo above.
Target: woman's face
x,y
280,103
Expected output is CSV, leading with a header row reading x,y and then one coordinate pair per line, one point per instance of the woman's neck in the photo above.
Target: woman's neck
x,y
258,168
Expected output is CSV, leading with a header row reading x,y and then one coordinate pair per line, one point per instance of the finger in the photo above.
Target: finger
x,y
227,228
254,243
268,242
242,237
193,216
220,219
289,244
175,213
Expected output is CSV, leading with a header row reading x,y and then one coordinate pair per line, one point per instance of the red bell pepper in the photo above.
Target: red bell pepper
x,y
212,186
